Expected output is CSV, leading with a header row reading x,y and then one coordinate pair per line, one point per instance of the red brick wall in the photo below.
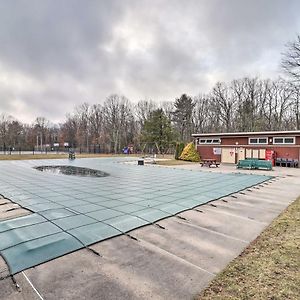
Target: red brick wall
x,y
282,152
207,152
286,152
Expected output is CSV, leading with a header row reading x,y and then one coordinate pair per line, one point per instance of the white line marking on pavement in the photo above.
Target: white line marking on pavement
x,y
37,292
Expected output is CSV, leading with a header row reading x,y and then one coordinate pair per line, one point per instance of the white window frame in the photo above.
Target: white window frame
x,y
209,139
284,137
258,138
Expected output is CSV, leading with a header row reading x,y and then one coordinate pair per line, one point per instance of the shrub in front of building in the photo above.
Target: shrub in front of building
x,y
179,149
190,153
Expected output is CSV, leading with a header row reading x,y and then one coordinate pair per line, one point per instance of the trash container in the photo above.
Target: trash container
x,y
140,162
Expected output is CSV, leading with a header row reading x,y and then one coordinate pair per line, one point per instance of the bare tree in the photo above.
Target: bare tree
x,y
117,115
295,105
68,131
143,110
5,120
224,104
82,114
40,127
96,123
291,59
15,129
250,101
168,108
200,113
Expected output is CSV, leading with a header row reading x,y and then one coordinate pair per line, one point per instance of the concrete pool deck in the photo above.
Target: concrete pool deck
x,y
175,260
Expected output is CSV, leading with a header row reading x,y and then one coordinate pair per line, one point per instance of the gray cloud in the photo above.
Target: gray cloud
x,y
57,54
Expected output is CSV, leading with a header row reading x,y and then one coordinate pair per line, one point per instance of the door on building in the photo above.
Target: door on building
x,y
255,153
248,153
262,153
241,154
228,155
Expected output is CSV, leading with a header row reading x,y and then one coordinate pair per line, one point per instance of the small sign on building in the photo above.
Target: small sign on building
x,y
217,151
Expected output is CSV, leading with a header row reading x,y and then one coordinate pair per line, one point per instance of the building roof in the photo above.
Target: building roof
x,y
245,134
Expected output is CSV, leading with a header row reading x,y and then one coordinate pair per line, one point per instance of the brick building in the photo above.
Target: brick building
x,y
231,147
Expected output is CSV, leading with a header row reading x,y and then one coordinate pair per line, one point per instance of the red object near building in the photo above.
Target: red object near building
x,y
270,155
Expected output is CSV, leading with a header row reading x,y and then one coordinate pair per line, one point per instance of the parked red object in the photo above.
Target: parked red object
x,y
270,155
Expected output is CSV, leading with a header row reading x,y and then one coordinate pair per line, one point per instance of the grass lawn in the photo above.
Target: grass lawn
x,y
48,156
269,268
173,162
66,155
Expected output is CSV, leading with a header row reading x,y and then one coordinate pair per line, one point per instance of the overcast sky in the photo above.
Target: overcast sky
x,y
57,54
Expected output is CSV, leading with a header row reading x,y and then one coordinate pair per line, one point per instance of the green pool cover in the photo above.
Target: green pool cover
x,y
71,212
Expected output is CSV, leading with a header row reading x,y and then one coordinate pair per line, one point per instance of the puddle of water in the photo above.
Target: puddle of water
x,y
72,170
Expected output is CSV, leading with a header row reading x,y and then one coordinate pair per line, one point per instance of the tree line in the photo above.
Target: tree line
x,y
247,104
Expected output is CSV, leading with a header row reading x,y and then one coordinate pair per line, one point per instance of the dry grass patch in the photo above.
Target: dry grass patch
x,y
30,156
56,156
173,162
269,268
66,155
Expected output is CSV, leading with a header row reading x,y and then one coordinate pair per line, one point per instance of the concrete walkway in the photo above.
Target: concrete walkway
x,y
174,260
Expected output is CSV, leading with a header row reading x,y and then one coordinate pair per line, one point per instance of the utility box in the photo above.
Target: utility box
x,y
140,162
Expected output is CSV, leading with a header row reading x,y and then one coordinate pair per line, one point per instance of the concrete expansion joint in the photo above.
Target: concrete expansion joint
x,y
240,217
170,254
219,233
94,251
181,217
11,209
159,226
132,237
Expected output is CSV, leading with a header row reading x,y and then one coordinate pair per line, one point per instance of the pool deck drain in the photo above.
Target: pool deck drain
x,y
175,262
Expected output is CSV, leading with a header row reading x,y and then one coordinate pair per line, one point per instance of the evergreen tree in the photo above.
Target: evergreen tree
x,y
190,153
178,150
158,131
182,117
